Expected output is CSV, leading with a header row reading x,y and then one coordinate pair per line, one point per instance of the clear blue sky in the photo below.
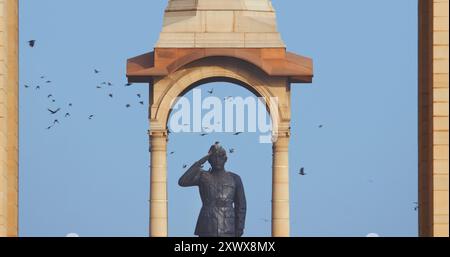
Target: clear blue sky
x,y
91,177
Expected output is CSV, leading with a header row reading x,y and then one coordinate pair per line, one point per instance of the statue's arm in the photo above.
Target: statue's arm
x,y
192,176
240,207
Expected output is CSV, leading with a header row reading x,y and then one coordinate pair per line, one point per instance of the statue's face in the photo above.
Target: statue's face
x,y
217,161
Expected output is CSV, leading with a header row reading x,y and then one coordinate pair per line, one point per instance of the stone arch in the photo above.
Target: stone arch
x,y
214,69
165,89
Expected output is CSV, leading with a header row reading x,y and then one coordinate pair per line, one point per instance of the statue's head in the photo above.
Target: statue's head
x,y
217,157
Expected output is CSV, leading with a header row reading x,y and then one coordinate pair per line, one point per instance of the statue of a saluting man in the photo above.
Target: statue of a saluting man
x,y
222,193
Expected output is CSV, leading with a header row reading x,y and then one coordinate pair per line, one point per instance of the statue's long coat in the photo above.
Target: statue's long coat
x,y
224,205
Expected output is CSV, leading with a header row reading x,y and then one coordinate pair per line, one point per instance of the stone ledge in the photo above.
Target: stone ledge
x,y
273,61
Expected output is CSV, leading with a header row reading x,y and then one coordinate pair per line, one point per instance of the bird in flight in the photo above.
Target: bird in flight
x,y
111,95
96,71
237,133
48,81
171,153
70,104
50,95
67,115
31,43
91,116
302,172
49,127
416,207
55,111
38,87
26,86
128,105
99,87
184,166
232,150
320,126
55,121
109,84
141,102
211,91
139,95
203,134
128,84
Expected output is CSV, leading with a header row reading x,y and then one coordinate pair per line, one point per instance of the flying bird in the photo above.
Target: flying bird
x,y
128,105
109,84
171,153
237,133
141,102
128,84
42,77
70,104
211,91
184,166
203,134
50,95
31,43
99,87
67,115
55,121
55,111
320,126
91,116
302,172
48,81
49,127
111,95
232,150
416,207
96,71
139,95
38,87
26,86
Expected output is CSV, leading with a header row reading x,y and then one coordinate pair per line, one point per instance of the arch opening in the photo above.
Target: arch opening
x,y
276,94
184,203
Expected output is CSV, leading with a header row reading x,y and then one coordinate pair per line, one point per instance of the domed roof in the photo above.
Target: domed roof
x,y
253,5
220,23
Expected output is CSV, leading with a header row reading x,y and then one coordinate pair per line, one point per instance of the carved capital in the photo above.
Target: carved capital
x,y
157,133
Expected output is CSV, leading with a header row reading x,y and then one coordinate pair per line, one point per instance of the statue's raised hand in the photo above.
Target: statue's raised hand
x,y
204,159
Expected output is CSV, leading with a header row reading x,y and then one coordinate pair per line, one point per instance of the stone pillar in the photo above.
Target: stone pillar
x,y
8,117
440,119
158,183
280,186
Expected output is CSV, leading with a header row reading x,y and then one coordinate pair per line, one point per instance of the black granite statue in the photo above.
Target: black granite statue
x,y
222,193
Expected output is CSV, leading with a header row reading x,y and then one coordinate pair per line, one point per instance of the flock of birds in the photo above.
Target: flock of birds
x,y
32,43
54,112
